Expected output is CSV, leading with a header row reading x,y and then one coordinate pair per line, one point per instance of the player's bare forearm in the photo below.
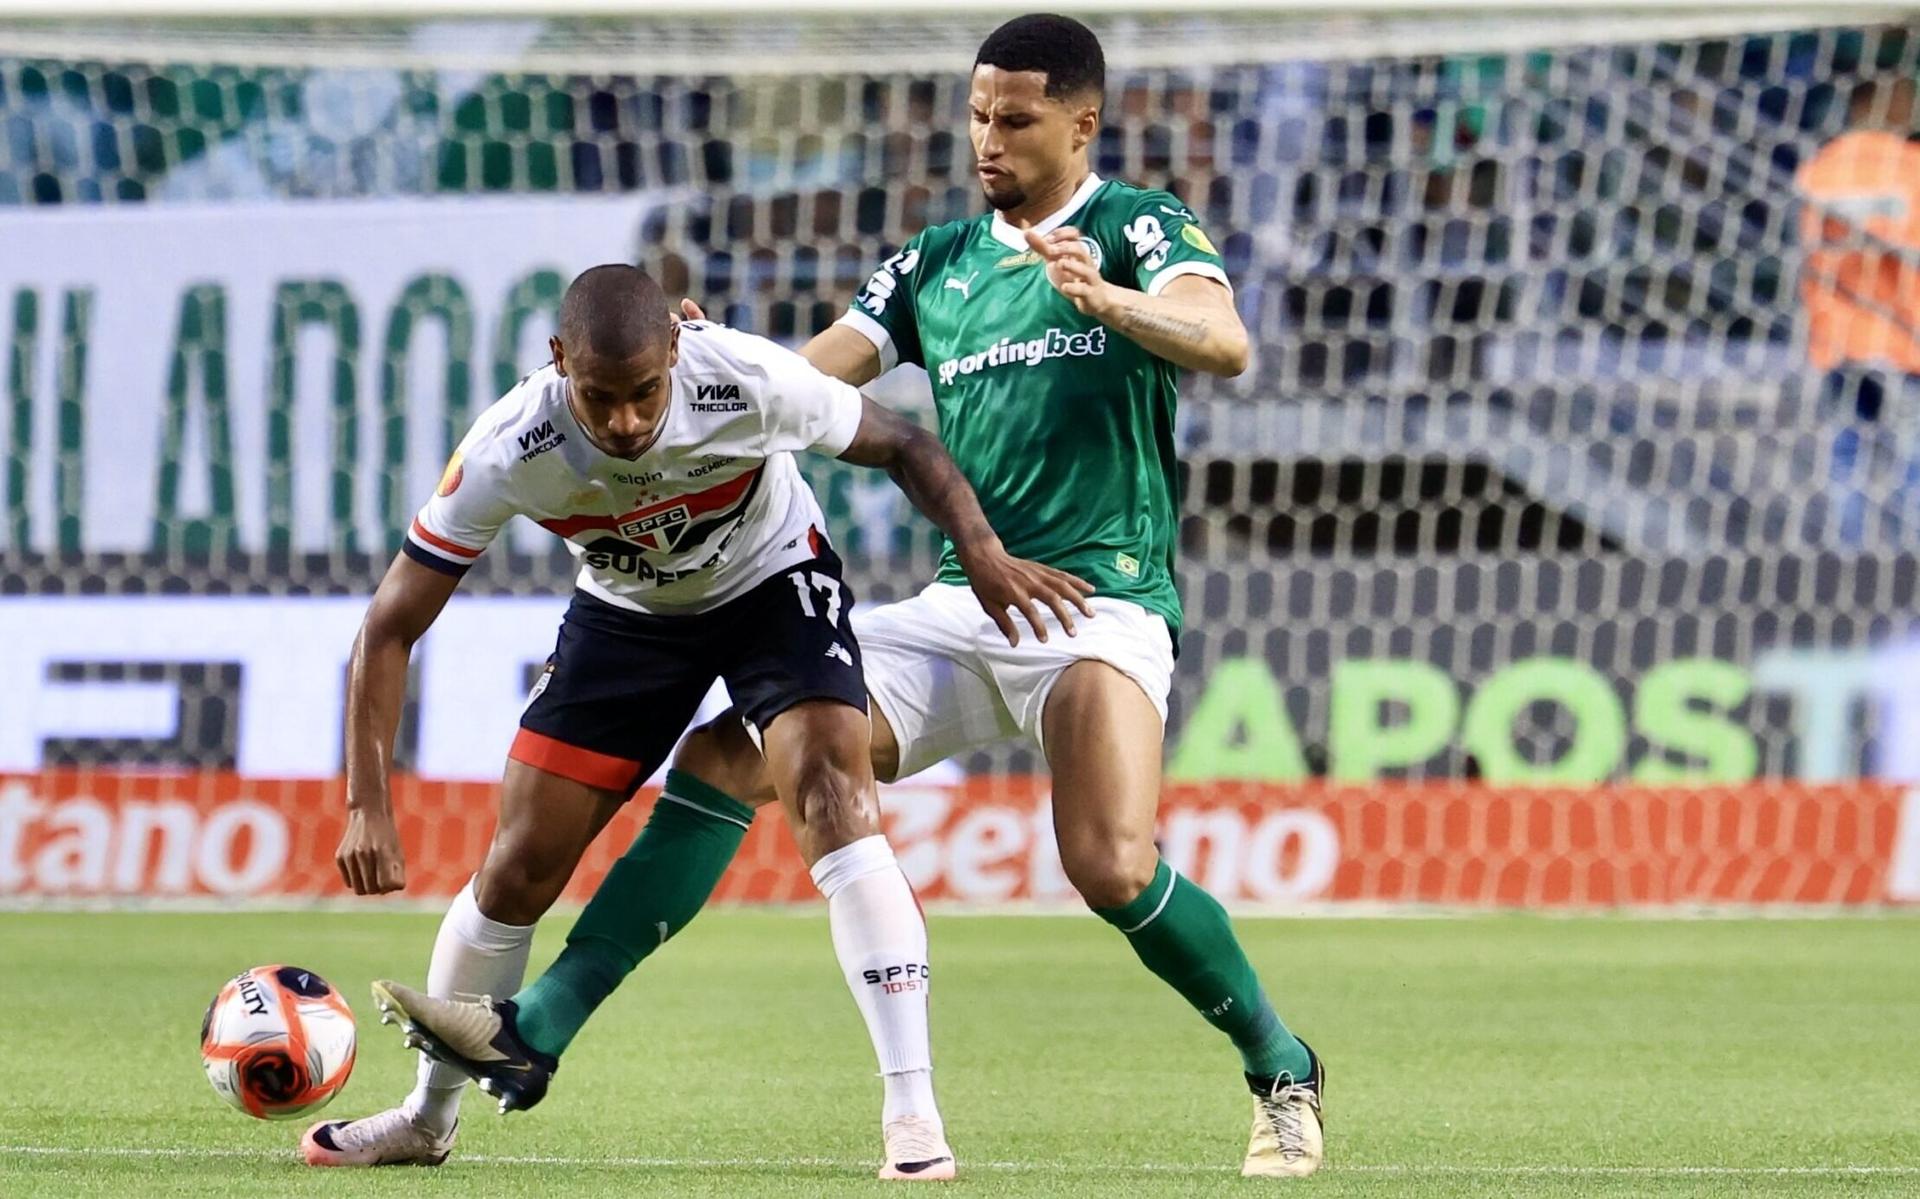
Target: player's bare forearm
x,y
376,688
404,606
843,353
921,467
1190,323
1003,584
1198,331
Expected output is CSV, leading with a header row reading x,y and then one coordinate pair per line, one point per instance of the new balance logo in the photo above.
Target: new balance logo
x,y
540,684
836,650
964,286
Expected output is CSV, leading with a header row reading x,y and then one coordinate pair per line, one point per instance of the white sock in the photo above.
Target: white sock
x,y
881,940
909,1093
472,956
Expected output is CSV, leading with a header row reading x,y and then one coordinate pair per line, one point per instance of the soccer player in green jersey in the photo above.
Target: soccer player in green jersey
x,y
1052,329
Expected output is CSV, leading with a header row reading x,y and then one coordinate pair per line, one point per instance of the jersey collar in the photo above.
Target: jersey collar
x,y
1009,234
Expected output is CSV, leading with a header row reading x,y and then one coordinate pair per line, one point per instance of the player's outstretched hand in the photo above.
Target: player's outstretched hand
x,y
369,856
1070,267
1001,582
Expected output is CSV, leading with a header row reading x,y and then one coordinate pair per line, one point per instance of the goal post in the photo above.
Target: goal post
x,y
1561,545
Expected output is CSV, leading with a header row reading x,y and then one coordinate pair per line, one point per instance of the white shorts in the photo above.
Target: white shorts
x,y
947,681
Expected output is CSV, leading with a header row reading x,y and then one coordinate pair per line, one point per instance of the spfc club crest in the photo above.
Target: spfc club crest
x,y
658,529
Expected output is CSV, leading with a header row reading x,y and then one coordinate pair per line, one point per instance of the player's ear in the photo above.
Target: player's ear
x,y
1086,126
673,345
559,353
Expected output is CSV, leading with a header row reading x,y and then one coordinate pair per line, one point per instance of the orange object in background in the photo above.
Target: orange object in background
x,y
78,834
1862,299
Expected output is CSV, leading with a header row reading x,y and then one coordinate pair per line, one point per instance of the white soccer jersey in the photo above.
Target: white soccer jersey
x,y
714,506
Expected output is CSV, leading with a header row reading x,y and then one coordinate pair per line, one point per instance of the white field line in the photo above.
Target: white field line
x,y
1407,1169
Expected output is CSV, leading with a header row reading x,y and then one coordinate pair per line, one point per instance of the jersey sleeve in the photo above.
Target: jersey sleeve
x,y
804,409
882,311
1164,241
465,514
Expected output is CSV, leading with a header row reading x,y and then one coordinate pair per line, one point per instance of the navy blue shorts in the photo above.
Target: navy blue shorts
x,y
621,686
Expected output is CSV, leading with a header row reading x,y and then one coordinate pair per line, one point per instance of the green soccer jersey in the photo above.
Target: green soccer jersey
x,y
1063,426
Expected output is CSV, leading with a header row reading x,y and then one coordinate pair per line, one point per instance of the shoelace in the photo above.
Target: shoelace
x,y
914,1140
1283,1114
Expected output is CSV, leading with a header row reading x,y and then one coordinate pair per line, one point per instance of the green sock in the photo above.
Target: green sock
x,y
1181,934
651,893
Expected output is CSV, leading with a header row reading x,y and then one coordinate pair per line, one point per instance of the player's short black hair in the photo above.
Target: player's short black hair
x,y
1062,47
614,311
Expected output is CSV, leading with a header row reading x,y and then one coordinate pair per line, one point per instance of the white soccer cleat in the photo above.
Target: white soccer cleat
x,y
475,1037
1288,1139
917,1151
388,1138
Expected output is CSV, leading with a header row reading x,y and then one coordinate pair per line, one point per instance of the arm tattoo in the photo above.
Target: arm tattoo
x,y
1136,320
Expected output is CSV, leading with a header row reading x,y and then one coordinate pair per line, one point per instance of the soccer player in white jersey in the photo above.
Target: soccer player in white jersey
x,y
1052,329
662,453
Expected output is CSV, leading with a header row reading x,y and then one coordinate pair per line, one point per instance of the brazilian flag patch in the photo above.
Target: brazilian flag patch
x,y
1198,240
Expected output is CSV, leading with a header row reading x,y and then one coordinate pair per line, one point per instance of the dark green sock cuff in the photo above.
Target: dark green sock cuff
x,y
708,798
1145,906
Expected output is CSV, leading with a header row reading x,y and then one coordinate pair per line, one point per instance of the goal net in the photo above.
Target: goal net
x,y
1558,547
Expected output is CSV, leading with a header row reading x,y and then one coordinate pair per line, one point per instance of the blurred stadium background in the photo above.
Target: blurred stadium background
x,y
1559,548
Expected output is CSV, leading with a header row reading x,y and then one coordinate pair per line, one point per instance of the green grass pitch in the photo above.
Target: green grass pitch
x,y
1502,1055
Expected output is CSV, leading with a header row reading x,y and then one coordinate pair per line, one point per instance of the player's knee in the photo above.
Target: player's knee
x,y
517,885
836,804
721,755
1109,872
511,898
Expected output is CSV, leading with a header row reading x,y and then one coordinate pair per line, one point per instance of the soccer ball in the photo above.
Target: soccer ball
x,y
277,1042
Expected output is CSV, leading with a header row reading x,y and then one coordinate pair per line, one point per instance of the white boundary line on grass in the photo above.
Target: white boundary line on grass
x,y
1345,910
737,1163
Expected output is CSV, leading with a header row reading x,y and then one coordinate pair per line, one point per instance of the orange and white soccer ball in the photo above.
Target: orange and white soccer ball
x,y
277,1042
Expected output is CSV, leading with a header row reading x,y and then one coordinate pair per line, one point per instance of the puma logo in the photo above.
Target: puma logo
x,y
964,286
